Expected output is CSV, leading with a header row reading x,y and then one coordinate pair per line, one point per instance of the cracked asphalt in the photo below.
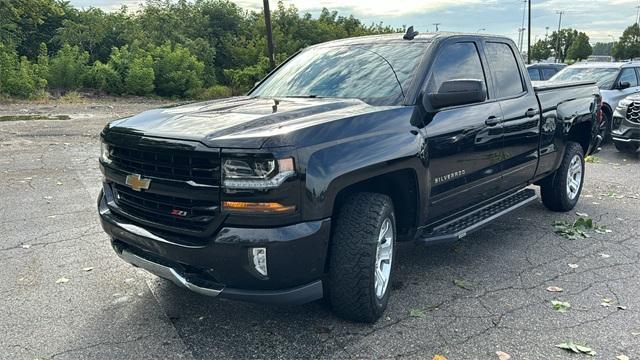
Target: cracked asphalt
x,y
49,230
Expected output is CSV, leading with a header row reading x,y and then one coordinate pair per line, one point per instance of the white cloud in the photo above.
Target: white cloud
x,y
385,8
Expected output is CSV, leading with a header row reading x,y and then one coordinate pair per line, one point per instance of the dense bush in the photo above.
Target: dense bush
x,y
67,68
103,77
170,48
215,92
178,72
20,78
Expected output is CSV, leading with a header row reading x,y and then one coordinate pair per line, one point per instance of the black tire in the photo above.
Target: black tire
x,y
627,148
554,191
608,126
353,252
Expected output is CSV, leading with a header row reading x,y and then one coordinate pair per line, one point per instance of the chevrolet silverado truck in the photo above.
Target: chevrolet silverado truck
x,y
301,189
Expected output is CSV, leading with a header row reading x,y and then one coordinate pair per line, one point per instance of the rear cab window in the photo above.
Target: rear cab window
x,y
534,74
505,70
547,73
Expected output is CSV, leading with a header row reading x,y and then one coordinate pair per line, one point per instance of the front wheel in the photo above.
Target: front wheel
x,y
361,257
561,190
627,148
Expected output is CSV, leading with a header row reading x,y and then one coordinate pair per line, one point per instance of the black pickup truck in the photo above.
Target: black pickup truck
x,y
301,189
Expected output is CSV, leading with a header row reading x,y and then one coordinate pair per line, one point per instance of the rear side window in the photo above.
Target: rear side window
x,y
629,75
547,73
460,61
505,69
534,74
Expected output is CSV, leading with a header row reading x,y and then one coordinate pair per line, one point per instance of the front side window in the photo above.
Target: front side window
x,y
459,61
629,75
379,74
505,69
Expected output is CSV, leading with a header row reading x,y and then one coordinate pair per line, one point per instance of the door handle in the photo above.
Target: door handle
x,y
531,113
492,121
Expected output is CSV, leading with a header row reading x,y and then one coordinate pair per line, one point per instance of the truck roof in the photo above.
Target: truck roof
x,y
422,37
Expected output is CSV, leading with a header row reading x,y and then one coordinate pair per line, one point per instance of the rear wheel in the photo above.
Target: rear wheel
x,y
361,257
629,148
561,190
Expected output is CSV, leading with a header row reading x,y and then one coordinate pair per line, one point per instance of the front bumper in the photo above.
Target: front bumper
x,y
625,131
221,266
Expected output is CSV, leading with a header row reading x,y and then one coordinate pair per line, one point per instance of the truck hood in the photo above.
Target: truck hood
x,y
240,122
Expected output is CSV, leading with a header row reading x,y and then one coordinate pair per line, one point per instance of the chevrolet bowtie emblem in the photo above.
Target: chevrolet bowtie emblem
x,y
137,183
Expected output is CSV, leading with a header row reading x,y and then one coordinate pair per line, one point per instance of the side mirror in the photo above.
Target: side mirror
x,y
457,92
624,85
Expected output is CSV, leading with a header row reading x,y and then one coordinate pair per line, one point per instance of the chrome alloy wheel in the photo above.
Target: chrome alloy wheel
x,y
574,177
384,257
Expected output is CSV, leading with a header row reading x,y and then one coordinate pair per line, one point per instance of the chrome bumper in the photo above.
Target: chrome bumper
x,y
166,272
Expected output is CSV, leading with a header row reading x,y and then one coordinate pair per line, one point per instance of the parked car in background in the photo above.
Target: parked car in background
x,y
544,71
599,58
616,81
625,130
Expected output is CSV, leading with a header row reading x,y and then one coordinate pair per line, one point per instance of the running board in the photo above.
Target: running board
x,y
458,228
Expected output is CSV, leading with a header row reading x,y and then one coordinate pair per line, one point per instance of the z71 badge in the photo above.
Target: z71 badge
x,y
448,177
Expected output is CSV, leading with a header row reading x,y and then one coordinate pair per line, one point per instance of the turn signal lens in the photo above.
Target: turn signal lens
x,y
252,207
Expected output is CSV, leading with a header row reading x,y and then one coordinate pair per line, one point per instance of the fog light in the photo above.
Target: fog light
x,y
260,260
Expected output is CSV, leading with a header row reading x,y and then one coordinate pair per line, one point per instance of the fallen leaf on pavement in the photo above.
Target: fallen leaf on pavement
x,y
461,284
555,289
578,349
417,313
439,357
560,306
26,246
582,214
62,280
574,266
620,307
88,268
622,357
605,256
606,302
503,355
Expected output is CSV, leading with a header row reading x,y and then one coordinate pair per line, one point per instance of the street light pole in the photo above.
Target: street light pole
x,y
267,22
529,36
558,34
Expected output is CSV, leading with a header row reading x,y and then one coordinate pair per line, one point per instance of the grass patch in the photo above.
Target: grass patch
x,y
34,117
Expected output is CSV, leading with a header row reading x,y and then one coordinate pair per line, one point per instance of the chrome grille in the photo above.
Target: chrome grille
x,y
200,167
633,112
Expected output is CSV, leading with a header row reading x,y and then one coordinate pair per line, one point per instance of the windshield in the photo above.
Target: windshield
x,y
604,77
378,74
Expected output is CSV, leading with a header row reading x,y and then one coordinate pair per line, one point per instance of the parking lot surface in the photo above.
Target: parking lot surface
x,y
66,295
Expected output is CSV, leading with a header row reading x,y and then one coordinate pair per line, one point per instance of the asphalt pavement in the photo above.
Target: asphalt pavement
x,y
66,295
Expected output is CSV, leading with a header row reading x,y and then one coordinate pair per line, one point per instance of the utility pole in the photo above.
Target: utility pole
x,y
558,34
546,34
521,30
529,36
267,22
638,13
437,24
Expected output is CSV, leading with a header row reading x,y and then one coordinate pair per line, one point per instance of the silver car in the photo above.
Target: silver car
x,y
616,81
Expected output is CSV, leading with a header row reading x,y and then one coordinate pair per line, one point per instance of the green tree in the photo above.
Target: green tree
x,y
541,50
140,78
580,49
628,46
562,41
67,68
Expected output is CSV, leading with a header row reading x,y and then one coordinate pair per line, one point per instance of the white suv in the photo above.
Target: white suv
x,y
616,81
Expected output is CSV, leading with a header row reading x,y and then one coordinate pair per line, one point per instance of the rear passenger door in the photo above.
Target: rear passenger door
x,y
520,110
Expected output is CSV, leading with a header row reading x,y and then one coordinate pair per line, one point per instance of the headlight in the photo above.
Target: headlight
x,y
105,155
624,103
256,173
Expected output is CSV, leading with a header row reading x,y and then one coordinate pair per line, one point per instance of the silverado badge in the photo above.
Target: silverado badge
x,y
137,183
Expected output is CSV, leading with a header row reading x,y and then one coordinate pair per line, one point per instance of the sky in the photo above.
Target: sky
x,y
601,20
